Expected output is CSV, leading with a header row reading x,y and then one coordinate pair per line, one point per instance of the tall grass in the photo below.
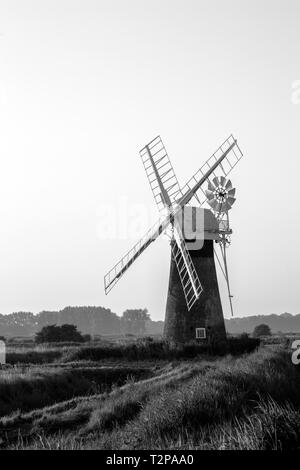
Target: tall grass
x,y
35,388
230,389
33,356
271,426
144,350
245,402
80,414
141,350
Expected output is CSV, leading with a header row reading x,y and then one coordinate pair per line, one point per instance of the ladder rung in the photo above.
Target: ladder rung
x,y
167,163
150,148
227,159
160,158
164,174
155,153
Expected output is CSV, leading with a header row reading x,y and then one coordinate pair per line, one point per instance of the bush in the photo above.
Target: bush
x,y
262,330
242,344
54,333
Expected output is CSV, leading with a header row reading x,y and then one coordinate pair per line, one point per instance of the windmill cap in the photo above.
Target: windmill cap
x,y
199,222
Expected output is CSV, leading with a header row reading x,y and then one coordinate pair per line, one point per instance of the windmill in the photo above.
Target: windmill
x,y
194,309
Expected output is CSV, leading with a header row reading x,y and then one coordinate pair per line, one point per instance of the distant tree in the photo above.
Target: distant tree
x,y
46,318
88,319
134,321
54,333
262,330
91,320
48,334
17,324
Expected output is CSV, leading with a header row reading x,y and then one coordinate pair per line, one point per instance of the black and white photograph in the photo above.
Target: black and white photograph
x,y
149,204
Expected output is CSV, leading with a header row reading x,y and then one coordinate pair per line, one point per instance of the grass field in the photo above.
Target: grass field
x,y
83,397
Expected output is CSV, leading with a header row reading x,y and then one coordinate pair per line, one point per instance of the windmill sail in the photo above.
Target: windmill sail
x,y
160,173
232,153
114,274
191,284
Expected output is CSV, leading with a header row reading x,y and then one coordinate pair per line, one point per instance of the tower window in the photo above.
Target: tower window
x,y
200,333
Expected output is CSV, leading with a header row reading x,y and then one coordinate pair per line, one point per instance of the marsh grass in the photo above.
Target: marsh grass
x,y
146,395
249,402
272,426
28,388
161,350
140,350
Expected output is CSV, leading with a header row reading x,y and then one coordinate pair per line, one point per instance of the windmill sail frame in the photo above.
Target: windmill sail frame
x,y
159,169
190,282
227,164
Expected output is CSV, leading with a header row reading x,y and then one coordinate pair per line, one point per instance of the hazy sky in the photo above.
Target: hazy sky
x,y
84,85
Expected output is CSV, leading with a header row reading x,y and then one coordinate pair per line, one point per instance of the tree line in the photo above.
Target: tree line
x,y
88,320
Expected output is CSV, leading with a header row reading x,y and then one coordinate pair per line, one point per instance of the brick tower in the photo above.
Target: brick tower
x,y
205,318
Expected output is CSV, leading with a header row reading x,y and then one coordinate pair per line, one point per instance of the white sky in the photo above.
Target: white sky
x,y
85,84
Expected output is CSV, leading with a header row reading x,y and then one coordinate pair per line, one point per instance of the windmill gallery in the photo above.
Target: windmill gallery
x,y
194,309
